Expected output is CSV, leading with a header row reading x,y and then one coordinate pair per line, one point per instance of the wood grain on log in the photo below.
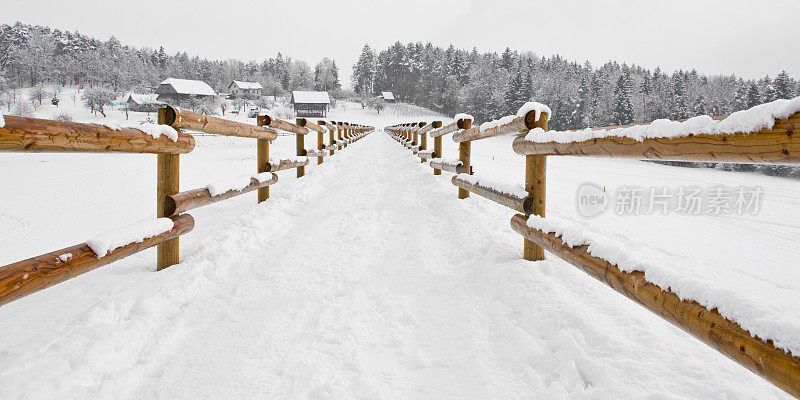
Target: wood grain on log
x,y
778,145
452,127
760,357
179,118
42,135
309,125
518,125
189,200
315,153
450,167
262,158
285,164
521,204
25,277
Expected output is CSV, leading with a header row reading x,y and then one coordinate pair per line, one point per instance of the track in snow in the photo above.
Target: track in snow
x,y
366,279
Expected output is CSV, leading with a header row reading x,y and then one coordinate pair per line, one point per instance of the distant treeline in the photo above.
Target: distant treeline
x,y
491,85
32,55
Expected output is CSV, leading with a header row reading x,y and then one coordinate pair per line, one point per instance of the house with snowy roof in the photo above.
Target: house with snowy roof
x,y
387,97
241,88
142,102
310,103
173,91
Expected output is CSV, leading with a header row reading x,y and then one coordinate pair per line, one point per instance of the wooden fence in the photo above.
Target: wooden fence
x,y
168,140
778,144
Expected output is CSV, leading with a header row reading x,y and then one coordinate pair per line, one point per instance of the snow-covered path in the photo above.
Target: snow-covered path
x,y
366,279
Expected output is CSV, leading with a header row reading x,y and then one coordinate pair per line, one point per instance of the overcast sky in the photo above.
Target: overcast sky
x,y
749,38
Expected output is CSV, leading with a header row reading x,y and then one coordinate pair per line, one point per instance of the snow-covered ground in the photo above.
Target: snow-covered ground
x,y
369,279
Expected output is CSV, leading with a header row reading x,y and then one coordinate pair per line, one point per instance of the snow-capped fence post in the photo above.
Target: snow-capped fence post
x,y
301,150
535,185
464,150
423,139
167,183
262,159
332,133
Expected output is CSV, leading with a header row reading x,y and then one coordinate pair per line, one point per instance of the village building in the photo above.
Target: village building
x,y
387,97
241,88
310,104
173,91
142,102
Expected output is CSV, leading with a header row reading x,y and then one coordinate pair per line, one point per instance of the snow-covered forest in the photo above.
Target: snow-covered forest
x,y
36,55
491,85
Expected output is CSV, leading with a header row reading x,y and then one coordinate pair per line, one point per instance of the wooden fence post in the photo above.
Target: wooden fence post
x,y
423,144
535,185
332,134
167,183
464,150
437,149
262,158
301,150
263,166
320,145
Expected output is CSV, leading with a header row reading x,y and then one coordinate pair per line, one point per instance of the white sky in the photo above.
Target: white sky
x,y
749,38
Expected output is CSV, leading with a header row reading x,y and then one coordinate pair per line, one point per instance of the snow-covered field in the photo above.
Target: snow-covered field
x,y
369,279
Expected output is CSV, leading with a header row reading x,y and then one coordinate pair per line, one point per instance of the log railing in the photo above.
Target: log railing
x,y
779,143
167,140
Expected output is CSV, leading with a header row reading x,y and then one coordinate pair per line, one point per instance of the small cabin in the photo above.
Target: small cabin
x,y
387,97
172,91
142,102
241,88
310,104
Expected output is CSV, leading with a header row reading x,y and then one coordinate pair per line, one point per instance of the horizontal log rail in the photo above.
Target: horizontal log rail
x,y
315,153
727,337
286,126
168,141
449,128
521,204
179,118
516,125
777,145
191,199
280,165
29,276
43,135
302,122
427,154
455,168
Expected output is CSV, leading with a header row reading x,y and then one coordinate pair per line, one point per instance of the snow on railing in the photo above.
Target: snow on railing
x,y
762,134
168,141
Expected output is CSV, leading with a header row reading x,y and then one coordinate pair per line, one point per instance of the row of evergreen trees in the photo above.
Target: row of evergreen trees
x,y
32,55
489,86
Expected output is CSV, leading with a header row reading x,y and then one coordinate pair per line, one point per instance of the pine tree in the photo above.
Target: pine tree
x,y
770,94
645,89
784,86
623,109
740,98
679,107
753,98
581,107
364,72
699,107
